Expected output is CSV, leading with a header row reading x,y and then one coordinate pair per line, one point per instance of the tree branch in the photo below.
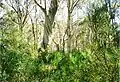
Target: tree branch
x,y
74,5
43,9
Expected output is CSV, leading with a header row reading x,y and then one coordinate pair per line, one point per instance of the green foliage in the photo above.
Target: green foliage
x,y
98,62
102,48
76,67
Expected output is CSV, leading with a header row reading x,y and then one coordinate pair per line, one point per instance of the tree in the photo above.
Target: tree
x,y
21,11
71,4
112,7
49,19
102,42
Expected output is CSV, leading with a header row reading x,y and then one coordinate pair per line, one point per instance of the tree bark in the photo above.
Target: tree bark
x,y
68,27
49,20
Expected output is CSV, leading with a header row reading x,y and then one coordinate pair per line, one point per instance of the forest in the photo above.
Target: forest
x,y
59,40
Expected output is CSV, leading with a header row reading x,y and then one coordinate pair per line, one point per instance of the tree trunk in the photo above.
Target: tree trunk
x,y
47,31
49,20
68,28
45,40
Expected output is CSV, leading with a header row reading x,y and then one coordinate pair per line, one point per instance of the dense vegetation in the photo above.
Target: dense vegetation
x,y
86,51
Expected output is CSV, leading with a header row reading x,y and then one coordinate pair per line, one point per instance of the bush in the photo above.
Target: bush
x,y
59,67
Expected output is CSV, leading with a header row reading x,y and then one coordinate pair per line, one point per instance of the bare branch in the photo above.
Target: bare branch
x,y
43,9
74,4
